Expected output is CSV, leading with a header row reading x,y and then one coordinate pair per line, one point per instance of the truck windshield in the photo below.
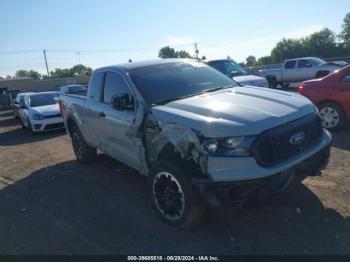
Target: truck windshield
x,y
43,100
228,67
159,84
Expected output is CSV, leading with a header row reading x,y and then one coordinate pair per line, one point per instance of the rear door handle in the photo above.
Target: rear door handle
x,y
102,114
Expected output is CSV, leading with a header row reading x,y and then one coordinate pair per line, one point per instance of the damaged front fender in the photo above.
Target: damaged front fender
x,y
184,140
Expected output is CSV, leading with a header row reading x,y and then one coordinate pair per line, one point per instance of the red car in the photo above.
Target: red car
x,y
331,95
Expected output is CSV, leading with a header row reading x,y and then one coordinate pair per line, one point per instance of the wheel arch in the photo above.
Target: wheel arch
x,y
347,116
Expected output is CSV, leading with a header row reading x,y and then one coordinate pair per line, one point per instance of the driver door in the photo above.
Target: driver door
x,y
116,124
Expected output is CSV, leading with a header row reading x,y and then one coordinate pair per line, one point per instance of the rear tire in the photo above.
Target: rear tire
x,y
83,152
172,194
332,116
272,81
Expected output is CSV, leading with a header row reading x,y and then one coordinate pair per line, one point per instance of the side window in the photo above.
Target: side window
x,y
290,64
346,78
114,85
304,63
96,85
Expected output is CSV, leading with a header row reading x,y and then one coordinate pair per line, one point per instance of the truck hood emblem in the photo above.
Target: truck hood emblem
x,y
297,138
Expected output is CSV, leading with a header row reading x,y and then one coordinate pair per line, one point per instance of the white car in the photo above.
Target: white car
x,y
40,112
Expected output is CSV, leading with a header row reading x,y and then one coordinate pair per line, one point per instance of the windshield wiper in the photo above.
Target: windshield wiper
x,y
173,99
210,90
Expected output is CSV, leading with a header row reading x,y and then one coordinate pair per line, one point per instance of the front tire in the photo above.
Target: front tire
x,y
332,116
172,195
83,152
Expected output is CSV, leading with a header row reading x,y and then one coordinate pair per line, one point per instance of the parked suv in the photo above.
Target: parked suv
x,y
199,137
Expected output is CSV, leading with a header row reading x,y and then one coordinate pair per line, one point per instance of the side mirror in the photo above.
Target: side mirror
x,y
122,102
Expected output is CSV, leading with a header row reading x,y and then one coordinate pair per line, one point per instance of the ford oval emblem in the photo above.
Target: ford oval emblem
x,y
297,138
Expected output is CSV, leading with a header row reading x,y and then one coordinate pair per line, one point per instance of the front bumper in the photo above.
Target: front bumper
x,y
47,124
229,169
247,186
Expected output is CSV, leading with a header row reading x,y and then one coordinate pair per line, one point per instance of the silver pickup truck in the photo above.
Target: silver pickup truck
x,y
201,139
298,70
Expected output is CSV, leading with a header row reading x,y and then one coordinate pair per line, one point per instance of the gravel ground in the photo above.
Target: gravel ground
x,y
50,204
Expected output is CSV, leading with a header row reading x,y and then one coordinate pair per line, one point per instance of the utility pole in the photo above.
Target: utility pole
x,y
196,50
47,67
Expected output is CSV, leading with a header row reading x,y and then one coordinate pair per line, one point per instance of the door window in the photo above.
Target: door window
x,y
95,86
303,63
115,84
290,64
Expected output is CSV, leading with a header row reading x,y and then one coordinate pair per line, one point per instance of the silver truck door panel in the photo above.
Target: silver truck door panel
x,y
305,70
115,140
92,122
116,124
289,71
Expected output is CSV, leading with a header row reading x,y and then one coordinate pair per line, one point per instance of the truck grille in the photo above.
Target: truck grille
x,y
276,145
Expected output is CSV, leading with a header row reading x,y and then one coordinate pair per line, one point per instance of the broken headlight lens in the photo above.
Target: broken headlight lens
x,y
232,146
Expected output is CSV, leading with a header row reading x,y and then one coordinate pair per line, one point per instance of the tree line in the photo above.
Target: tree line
x,y
77,70
324,44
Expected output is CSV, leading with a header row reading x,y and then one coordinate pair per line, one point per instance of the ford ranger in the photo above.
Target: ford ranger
x,y
298,70
201,139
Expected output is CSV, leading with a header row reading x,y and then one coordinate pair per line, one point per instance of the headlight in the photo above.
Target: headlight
x,y
232,146
38,117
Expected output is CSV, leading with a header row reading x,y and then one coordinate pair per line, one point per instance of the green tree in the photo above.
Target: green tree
x,y
287,48
182,54
167,52
265,60
25,73
81,70
322,44
345,33
251,60
61,73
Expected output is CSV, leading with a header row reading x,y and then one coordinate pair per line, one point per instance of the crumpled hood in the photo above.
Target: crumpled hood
x,y
235,111
46,110
250,80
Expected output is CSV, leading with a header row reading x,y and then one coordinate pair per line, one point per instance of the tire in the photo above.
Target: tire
x,y
321,74
169,181
22,124
332,116
285,85
272,81
30,128
83,152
